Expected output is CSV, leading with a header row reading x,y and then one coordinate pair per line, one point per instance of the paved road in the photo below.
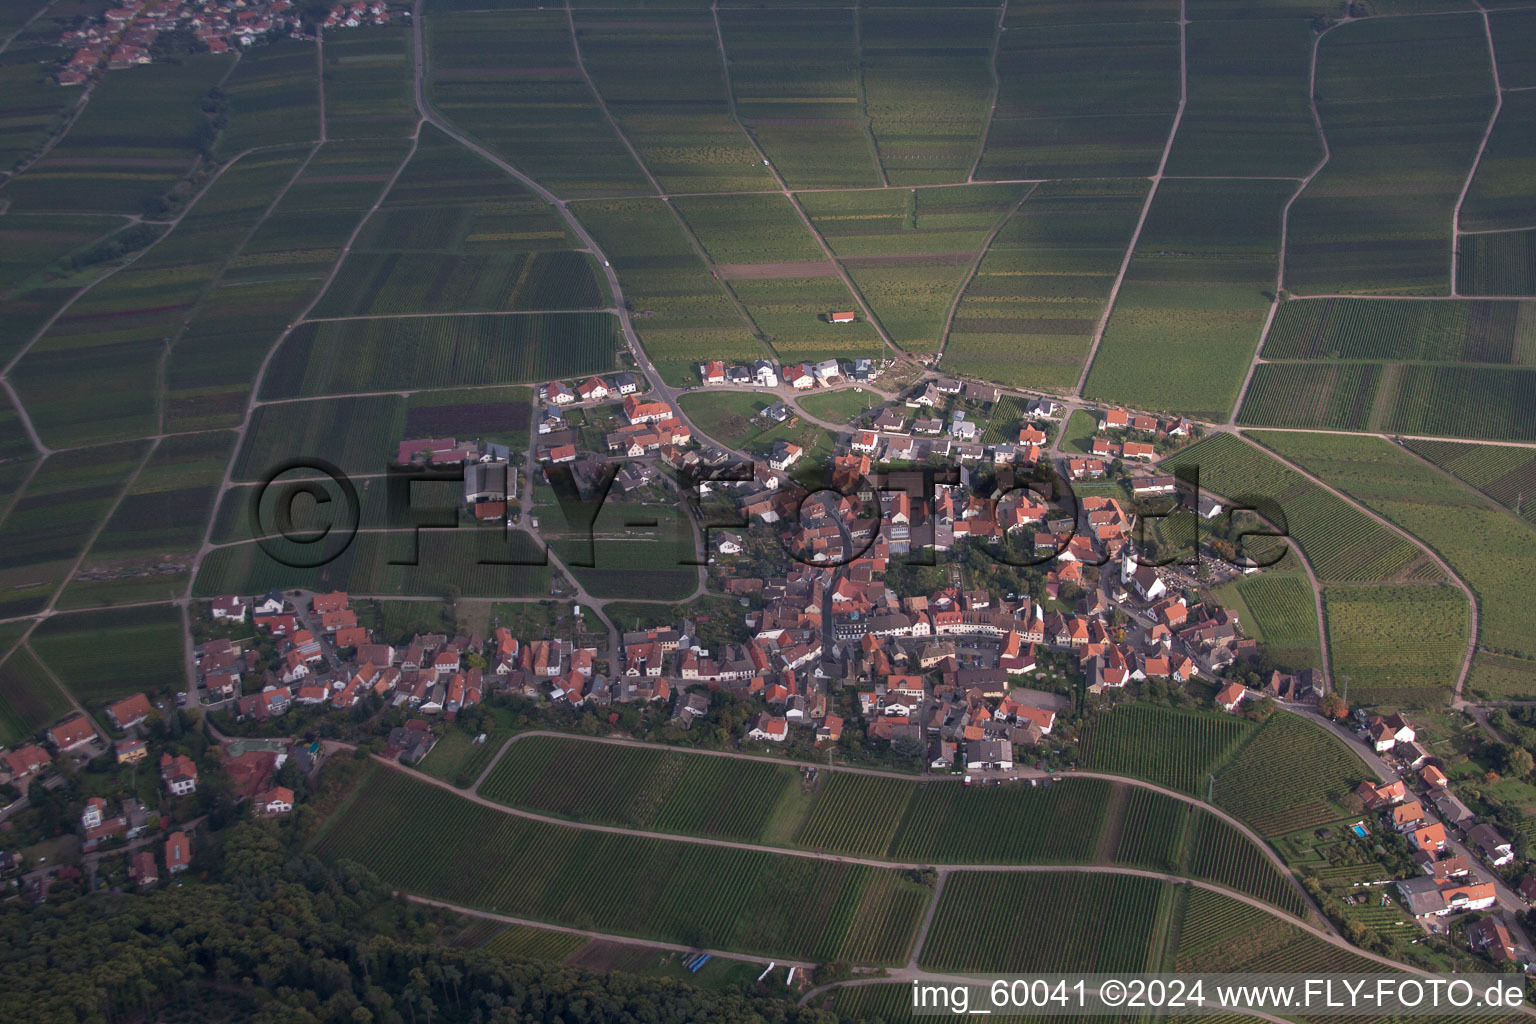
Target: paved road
x,y
596,936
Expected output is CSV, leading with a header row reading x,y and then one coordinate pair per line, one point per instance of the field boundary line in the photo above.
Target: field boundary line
x,y
1285,224
970,277
1146,206
602,104
1482,147
426,316
43,451
864,118
1466,665
596,936
1497,231
997,85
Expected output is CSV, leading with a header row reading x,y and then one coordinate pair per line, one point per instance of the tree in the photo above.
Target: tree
x,y
1516,762
1333,706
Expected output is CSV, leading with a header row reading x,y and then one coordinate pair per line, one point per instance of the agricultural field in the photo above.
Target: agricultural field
x,y
520,942
942,821
1342,543
1084,93
1499,197
1028,316
1404,102
1154,831
1190,312
381,284
653,789
927,85
1221,853
92,376
274,97
402,563
499,415
1177,749
39,246
458,758
146,646
131,144
30,102
1044,921
338,357
1277,609
1422,399
910,253
29,698
368,89
750,229
359,435
430,842
158,524
799,92
1464,331
1290,776
52,520
1502,263
511,80
662,79
1505,473
1514,47
1401,646
1248,111
1485,545
681,313
1217,933
792,314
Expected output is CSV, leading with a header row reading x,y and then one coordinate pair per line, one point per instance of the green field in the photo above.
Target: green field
x,y
1217,933
1177,749
1342,543
644,788
910,252
146,646
158,525
273,97
1044,921
1484,544
368,83
1291,776
1404,102
1505,473
682,314
130,145
520,942
1396,645
510,79
1467,331
52,520
1499,197
430,842
798,90
1085,92
1277,609
1028,316
1247,111
335,358
29,698
1399,398
840,406
1188,316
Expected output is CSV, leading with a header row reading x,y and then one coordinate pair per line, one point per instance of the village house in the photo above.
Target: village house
x,y
130,711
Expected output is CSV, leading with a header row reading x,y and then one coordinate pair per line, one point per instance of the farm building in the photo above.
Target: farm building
x,y
842,318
